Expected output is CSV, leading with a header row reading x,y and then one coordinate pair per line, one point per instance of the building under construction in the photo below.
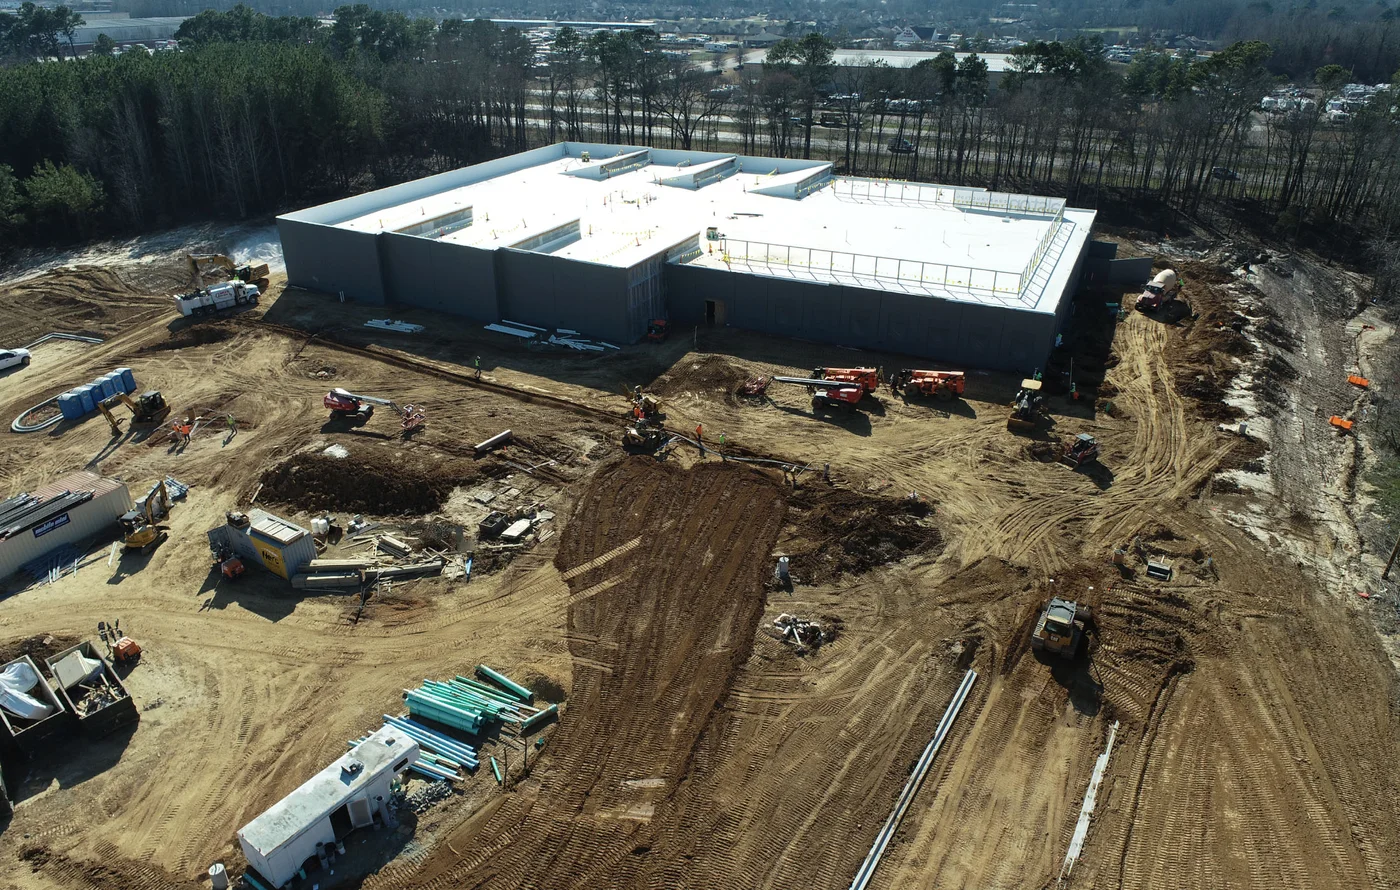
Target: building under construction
x,y
601,239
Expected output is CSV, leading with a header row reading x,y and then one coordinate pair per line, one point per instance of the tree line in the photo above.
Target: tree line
x,y
260,113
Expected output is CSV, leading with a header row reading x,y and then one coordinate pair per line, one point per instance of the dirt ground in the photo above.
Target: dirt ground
x,y
1254,698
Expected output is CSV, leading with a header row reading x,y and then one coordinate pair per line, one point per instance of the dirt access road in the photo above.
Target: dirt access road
x,y
696,749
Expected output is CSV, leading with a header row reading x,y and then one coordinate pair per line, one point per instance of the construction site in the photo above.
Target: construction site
x,y
304,596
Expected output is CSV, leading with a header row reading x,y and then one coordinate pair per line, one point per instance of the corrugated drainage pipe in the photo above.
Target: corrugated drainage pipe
x,y
19,426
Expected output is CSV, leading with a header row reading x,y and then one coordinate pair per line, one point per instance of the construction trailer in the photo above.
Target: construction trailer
x,y
260,538
66,511
605,240
33,734
344,796
92,690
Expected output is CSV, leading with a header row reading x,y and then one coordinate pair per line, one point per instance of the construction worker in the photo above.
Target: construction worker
x,y
232,426
700,438
477,364
721,440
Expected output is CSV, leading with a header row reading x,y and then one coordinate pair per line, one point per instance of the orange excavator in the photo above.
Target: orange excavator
x,y
868,379
944,385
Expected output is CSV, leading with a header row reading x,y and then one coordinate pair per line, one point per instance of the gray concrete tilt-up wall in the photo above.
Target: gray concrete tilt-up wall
x,y
539,289
964,334
332,260
457,279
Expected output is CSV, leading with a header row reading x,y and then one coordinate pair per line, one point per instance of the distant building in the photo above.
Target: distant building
x,y
601,239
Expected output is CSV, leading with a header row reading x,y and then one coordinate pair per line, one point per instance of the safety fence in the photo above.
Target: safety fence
x,y
857,265
891,191
880,191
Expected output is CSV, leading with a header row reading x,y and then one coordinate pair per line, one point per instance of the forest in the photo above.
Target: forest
x,y
257,114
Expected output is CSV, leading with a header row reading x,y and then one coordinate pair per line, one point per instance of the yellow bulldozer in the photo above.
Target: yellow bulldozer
x,y
139,528
147,409
1061,628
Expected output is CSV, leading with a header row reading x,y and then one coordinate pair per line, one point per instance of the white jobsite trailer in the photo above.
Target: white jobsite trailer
x,y
339,799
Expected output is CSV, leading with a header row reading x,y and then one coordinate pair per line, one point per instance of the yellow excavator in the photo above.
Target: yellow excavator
x,y
147,409
139,529
250,274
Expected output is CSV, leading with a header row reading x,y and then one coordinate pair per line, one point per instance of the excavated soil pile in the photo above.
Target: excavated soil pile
x,y
377,481
1204,357
36,647
838,532
195,335
666,569
702,374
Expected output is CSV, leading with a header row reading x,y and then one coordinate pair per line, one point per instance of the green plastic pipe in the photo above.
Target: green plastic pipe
x,y
496,768
490,691
505,682
539,718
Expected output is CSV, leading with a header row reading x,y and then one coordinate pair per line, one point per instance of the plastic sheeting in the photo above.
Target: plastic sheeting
x,y
15,682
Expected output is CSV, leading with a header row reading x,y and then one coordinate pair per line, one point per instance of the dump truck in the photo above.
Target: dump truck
x,y
944,385
1060,628
217,297
1161,290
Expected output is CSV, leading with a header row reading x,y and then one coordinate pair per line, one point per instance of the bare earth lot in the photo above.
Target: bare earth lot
x,y
1257,706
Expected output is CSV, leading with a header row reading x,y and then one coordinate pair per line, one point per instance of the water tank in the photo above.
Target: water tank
x,y
85,396
128,380
70,406
218,878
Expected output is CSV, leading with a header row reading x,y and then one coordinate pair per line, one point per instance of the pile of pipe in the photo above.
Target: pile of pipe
x,y
440,757
465,704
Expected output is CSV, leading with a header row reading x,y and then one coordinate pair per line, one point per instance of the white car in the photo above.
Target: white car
x,y
10,358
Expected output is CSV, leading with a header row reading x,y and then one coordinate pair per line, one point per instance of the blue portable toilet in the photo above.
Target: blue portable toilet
x,y
85,397
128,380
70,406
116,380
103,387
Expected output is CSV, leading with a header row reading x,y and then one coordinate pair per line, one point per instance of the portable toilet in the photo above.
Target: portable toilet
x,y
128,380
85,397
70,405
105,386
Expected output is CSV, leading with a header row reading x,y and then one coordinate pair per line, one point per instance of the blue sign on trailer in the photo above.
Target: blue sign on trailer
x,y
47,526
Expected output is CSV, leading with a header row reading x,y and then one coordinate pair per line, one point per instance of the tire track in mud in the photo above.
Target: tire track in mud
x,y
692,548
